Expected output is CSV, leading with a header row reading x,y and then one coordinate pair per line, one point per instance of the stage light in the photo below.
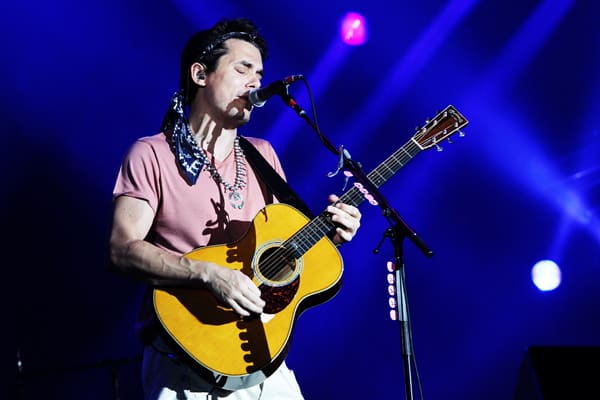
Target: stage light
x,y
353,29
546,275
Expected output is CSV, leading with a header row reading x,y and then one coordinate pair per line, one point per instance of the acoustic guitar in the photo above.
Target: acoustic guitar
x,y
295,265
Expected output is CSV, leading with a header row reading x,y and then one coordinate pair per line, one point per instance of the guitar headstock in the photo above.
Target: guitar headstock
x,y
445,124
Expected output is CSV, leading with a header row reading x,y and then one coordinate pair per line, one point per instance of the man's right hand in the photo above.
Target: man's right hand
x,y
234,289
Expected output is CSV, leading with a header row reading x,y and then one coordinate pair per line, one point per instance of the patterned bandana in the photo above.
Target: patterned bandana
x,y
186,150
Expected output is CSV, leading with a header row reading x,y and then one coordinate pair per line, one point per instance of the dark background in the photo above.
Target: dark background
x,y
82,80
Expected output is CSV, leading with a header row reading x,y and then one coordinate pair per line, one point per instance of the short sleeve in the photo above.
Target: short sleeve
x,y
139,174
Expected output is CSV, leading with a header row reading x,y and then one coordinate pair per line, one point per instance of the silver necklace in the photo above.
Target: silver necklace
x,y
235,197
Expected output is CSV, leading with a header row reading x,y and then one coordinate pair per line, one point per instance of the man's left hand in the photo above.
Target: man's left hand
x,y
347,218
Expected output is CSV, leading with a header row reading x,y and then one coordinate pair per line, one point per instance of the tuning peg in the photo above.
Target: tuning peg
x,y
450,141
439,148
461,134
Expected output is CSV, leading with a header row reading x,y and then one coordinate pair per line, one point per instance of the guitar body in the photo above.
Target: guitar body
x,y
240,352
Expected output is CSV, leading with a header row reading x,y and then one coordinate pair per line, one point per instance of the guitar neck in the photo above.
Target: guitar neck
x,y
383,172
442,126
322,225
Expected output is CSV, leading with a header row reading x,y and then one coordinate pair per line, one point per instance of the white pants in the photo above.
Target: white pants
x,y
165,378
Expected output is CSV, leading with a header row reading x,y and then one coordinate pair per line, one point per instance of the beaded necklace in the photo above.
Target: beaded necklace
x,y
235,197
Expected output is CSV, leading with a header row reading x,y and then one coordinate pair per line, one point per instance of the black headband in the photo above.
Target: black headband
x,y
230,35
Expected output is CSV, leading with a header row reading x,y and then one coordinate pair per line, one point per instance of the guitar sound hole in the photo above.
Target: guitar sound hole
x,y
277,264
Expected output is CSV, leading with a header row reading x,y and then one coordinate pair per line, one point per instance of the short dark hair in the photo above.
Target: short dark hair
x,y
207,47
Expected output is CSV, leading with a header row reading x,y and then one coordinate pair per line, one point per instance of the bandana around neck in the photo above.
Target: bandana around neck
x,y
188,154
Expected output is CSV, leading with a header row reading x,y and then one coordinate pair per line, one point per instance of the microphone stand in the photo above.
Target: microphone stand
x,y
398,231
397,234
355,168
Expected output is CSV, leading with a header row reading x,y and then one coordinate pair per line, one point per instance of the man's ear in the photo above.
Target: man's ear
x,y
198,72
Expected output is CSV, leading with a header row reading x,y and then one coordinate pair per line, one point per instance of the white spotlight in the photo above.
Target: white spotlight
x,y
546,275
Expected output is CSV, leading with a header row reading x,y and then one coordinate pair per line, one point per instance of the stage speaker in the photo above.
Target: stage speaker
x,y
559,373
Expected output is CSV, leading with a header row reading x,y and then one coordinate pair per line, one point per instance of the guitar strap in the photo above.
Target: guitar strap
x,y
280,188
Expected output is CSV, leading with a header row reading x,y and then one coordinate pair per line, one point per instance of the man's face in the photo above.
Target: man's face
x,y
238,71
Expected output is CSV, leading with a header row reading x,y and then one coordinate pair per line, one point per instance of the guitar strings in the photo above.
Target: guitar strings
x,y
275,262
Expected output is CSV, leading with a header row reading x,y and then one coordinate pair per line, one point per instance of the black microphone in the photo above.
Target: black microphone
x,y
258,97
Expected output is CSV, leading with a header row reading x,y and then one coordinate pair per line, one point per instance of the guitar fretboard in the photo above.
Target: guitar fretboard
x,y
441,127
311,233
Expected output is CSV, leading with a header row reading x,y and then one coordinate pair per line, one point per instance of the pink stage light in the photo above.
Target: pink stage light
x,y
353,29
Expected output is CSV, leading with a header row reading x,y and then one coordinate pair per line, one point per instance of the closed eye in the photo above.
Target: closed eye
x,y
245,67
242,68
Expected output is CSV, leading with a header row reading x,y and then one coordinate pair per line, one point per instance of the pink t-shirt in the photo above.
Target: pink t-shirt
x,y
190,216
